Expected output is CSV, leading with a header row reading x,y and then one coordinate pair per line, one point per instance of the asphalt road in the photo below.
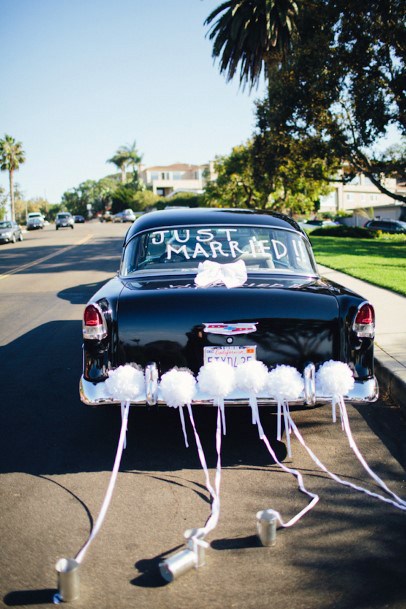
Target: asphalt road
x,y
56,455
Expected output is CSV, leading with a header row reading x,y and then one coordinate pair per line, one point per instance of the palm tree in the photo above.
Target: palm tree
x,y
255,34
12,156
126,156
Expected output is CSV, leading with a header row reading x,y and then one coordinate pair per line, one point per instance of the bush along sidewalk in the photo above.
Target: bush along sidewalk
x,y
356,232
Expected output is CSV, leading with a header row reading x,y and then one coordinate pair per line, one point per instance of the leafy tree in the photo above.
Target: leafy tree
x,y
234,185
126,156
103,194
132,196
252,35
52,210
259,176
24,206
77,199
340,83
145,199
12,156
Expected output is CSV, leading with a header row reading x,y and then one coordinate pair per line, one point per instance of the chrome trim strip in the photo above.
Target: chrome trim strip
x,y
94,394
151,384
309,376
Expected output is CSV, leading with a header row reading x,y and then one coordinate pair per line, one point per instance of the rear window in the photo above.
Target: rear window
x,y
263,250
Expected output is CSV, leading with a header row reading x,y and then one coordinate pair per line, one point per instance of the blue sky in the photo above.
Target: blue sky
x,y
79,78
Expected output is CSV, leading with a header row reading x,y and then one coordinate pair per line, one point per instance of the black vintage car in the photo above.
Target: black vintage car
x,y
204,285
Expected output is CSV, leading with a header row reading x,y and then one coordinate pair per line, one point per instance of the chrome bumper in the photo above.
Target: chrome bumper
x,y
94,394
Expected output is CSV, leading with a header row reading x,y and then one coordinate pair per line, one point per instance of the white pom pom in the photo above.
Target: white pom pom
x,y
216,379
126,383
251,376
334,378
178,387
285,383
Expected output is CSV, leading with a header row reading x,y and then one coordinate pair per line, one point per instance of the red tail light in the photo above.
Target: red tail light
x,y
364,323
365,315
92,316
94,323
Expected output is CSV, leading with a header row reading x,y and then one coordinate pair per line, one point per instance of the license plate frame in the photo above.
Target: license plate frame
x,y
231,354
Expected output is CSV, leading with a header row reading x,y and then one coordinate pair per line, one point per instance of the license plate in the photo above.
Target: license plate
x,y
231,355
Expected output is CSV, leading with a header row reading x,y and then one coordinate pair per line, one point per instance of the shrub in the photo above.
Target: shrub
x,y
345,231
181,199
396,237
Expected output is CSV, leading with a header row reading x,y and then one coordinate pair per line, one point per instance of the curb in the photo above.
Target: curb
x,y
391,376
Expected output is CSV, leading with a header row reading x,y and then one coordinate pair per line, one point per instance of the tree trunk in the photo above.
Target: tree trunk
x,y
11,179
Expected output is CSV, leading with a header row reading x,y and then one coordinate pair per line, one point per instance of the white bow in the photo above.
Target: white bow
x,y
211,273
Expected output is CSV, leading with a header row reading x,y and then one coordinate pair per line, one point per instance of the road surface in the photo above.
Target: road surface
x,y
56,456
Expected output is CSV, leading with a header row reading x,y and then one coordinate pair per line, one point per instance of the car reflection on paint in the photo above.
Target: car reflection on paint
x,y
162,310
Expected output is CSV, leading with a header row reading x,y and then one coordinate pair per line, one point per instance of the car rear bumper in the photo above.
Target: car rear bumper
x,y
95,394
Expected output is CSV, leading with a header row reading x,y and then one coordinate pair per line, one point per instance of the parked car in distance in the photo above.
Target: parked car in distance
x,y
387,226
79,219
166,309
310,225
10,232
105,217
64,220
35,220
124,216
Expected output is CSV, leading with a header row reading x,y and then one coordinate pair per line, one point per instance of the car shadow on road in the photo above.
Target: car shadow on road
x,y
47,430
80,294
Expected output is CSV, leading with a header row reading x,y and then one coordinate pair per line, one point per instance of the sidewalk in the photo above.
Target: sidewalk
x,y
390,339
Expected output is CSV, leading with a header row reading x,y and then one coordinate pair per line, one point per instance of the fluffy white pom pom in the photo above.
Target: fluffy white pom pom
x,y
285,383
126,383
216,379
334,378
252,376
178,387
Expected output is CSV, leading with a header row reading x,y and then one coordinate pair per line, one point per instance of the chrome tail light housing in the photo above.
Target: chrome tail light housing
x,y
364,322
94,323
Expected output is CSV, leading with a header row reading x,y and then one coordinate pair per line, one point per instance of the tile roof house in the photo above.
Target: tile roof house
x,y
178,177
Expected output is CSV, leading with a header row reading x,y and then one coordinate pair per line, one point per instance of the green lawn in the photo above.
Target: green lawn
x,y
377,261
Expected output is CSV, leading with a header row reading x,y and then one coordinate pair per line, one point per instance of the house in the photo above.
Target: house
x,y
179,177
362,194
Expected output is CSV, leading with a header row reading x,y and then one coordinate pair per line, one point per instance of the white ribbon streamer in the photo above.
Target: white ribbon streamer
x,y
221,406
254,410
209,273
182,420
401,505
122,405
351,441
106,502
214,492
294,472
279,422
286,419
